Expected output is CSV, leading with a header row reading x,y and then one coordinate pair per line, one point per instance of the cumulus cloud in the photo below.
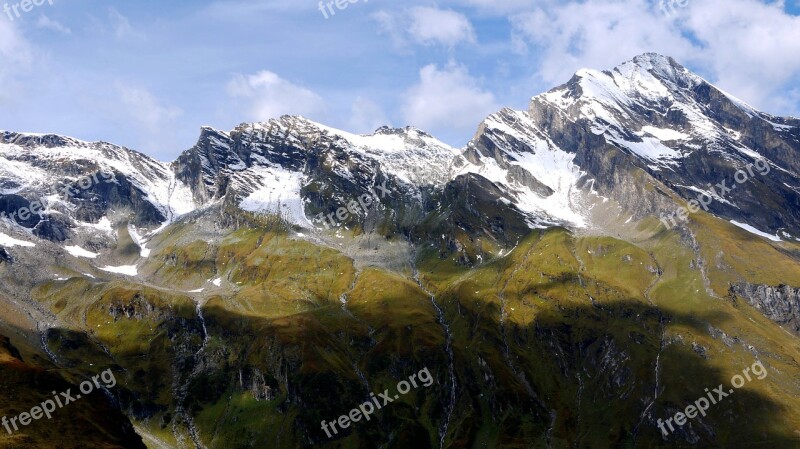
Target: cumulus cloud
x,y
439,26
266,95
744,46
752,49
426,26
594,34
447,99
389,24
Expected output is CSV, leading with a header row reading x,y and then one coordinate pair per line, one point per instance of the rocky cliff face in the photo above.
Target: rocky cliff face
x,y
781,304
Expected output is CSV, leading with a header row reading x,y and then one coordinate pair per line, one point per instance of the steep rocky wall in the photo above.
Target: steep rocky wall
x,y
781,304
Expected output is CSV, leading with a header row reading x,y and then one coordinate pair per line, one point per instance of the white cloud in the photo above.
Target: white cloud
x,y
594,34
47,23
390,25
425,26
438,26
746,47
265,95
448,99
752,49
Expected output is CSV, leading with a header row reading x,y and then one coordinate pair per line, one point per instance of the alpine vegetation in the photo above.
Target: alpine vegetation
x,y
376,403
63,399
715,396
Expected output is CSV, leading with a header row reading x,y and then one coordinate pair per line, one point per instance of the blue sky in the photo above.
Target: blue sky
x,y
148,74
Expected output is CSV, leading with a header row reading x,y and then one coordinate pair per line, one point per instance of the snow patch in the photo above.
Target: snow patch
x,y
649,148
664,134
277,191
546,162
755,231
127,270
7,240
779,127
709,193
746,108
77,251
139,240
104,224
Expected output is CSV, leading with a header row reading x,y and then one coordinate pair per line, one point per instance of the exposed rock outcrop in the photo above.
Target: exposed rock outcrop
x,y
781,304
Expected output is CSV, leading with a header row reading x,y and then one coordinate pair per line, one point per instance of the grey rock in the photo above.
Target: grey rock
x,y
780,304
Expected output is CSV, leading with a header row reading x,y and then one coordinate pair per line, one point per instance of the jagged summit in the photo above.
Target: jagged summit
x,y
650,77
549,165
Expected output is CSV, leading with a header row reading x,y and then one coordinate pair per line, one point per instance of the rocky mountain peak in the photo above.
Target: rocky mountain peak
x,y
650,79
660,117
31,140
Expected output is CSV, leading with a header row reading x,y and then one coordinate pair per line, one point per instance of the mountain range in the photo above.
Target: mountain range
x,y
578,271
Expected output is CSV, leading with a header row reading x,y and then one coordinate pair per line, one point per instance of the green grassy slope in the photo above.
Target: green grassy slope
x,y
91,422
565,342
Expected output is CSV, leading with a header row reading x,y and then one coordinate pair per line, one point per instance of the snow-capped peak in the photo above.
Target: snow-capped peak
x,y
646,78
33,165
410,154
646,102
